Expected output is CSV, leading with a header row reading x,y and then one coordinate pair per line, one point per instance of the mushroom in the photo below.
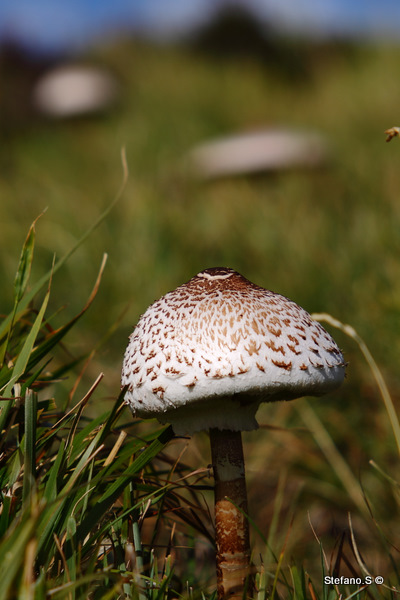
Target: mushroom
x,y
74,90
204,357
260,151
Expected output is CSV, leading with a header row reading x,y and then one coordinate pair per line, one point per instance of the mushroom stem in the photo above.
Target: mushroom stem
x,y
231,524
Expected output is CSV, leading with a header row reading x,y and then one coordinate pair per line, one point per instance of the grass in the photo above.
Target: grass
x,y
62,475
87,512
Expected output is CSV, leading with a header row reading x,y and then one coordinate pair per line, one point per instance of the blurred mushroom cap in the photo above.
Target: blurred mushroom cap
x,y
260,151
70,91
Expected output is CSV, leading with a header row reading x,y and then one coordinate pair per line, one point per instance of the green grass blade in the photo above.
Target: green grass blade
x,y
31,380
116,489
23,357
47,277
50,491
261,583
71,560
20,283
56,336
299,583
54,513
22,360
6,502
30,443
12,553
25,264
140,462
28,357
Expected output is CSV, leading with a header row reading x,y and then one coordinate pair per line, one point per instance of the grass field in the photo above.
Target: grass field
x,y
323,475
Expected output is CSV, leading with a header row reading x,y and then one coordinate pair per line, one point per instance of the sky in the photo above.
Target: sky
x,y
53,26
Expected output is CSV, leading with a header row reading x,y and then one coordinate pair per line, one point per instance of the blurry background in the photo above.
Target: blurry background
x,y
302,197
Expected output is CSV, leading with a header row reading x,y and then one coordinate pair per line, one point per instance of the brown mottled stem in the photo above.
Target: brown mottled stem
x,y
231,524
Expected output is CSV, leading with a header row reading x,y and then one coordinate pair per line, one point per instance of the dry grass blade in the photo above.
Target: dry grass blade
x,y
280,561
82,402
361,563
64,560
115,448
355,548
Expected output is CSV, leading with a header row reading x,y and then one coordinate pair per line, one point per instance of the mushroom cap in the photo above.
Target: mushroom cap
x,y
74,90
208,353
263,150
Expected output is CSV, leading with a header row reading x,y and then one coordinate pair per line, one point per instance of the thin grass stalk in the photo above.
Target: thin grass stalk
x,y
51,491
114,451
67,577
140,462
279,565
312,590
372,589
138,568
351,332
30,443
279,497
326,590
392,481
277,572
72,558
121,557
271,542
335,459
153,573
